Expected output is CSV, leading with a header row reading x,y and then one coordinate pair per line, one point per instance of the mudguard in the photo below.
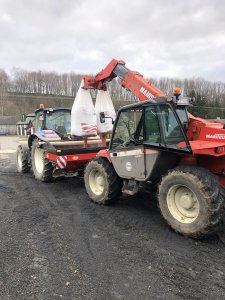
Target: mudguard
x,y
104,153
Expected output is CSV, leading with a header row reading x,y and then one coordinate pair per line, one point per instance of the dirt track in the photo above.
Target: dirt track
x,y
56,244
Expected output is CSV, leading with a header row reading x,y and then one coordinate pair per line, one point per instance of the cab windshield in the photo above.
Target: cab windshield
x,y
59,121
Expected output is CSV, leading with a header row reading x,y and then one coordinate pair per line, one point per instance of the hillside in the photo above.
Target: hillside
x,y
19,103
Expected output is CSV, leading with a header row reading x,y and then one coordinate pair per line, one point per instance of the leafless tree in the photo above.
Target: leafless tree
x,y
4,80
67,84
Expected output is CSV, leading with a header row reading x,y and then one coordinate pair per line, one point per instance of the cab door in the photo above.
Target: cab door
x,y
126,149
165,140
148,140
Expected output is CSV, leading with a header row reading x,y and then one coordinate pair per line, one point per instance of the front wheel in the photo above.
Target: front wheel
x,y
102,183
42,168
192,201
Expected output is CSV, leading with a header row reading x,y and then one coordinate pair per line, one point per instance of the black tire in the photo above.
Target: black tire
x,y
45,171
110,188
207,210
22,159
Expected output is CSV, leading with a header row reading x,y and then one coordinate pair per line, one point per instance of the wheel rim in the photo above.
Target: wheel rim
x,y
96,182
183,203
39,160
19,159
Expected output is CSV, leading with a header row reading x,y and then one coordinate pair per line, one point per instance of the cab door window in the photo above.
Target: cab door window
x,y
129,128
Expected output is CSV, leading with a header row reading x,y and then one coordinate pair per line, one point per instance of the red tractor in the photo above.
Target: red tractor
x,y
158,142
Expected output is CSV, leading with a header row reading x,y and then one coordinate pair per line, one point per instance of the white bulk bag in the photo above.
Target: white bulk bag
x,y
104,104
83,116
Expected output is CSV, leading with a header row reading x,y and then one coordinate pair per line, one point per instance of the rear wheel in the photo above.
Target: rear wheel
x,y
102,183
192,201
42,168
22,159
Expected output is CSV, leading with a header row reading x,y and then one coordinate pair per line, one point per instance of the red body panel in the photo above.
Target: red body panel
x,y
207,148
73,161
205,130
207,141
133,81
140,87
98,81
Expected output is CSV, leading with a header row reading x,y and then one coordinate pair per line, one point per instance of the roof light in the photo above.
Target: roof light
x,y
177,91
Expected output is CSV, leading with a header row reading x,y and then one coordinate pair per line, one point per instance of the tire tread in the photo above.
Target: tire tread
x,y
46,176
114,181
25,168
210,188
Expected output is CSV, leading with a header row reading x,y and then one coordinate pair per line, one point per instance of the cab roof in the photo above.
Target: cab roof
x,y
144,103
52,109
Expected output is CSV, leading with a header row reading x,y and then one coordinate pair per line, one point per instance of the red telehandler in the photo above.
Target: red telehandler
x,y
155,141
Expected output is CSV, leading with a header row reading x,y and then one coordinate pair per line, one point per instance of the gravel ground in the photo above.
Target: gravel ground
x,y
56,244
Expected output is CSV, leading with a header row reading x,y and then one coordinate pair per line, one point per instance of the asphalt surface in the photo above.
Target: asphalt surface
x,y
56,244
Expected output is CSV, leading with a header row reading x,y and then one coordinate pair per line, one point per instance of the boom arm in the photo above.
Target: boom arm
x,y
131,80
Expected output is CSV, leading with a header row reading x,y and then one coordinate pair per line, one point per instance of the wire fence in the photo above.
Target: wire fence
x,y
208,112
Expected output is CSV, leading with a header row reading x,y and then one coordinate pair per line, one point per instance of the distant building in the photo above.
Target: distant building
x,y
26,125
8,124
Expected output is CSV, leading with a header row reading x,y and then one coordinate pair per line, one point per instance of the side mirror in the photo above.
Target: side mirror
x,y
102,117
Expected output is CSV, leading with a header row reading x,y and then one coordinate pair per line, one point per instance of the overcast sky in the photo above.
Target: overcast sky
x,y
174,38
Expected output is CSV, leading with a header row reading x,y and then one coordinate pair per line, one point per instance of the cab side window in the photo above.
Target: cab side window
x,y
152,129
171,128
